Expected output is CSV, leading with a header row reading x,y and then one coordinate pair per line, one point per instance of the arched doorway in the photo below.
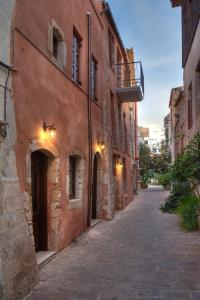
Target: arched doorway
x,y
39,164
95,186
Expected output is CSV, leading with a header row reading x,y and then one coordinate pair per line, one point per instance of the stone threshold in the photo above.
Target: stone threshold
x,y
95,222
44,257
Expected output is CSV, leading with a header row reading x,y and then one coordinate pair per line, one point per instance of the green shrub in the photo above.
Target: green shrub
x,y
164,179
179,191
187,210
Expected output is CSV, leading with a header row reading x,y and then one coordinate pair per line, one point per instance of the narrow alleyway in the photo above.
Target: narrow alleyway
x,y
141,254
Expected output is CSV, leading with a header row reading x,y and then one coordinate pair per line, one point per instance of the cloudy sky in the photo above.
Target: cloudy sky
x,y
153,29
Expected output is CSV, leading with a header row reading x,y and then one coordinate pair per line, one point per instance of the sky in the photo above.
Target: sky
x,y
153,29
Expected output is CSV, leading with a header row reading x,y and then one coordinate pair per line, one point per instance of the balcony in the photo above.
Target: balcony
x,y
130,82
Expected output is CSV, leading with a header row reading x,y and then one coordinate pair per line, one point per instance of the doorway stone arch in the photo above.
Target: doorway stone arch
x,y
53,192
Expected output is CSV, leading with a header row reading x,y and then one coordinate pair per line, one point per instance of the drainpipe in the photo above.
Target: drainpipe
x,y
89,123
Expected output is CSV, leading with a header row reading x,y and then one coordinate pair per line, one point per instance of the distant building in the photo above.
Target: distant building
x,y
144,137
167,132
144,132
175,121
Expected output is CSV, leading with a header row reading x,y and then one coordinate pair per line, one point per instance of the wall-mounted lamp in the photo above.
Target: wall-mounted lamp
x,y
51,129
119,163
101,145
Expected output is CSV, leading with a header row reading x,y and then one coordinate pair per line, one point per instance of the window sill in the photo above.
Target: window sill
x,y
77,82
75,203
58,62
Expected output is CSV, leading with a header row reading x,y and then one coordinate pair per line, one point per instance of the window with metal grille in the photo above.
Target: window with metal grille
x,y
72,177
76,45
93,78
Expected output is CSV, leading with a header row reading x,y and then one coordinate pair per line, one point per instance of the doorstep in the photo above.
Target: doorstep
x,y
43,257
95,222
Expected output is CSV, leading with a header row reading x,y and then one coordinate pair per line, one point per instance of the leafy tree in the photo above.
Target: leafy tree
x,y
187,164
185,175
152,162
145,164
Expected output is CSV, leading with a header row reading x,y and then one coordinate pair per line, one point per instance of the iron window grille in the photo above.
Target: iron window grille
x,y
93,79
76,45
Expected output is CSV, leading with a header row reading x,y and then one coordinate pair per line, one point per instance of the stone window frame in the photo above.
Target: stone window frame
x,y
54,31
76,202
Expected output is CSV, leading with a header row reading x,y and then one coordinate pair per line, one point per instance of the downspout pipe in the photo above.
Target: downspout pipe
x,y
89,122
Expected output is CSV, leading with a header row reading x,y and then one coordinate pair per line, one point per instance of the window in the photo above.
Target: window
x,y
190,117
76,45
94,79
56,44
111,42
72,177
75,180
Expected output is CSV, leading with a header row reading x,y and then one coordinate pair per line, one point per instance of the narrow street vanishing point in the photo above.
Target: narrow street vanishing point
x,y
141,254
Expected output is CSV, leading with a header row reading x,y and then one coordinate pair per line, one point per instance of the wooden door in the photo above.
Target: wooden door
x,y
39,163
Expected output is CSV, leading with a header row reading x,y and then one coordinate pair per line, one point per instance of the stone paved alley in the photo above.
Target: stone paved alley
x,y
141,254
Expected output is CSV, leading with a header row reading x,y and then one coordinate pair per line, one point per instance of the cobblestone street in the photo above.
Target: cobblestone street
x,y
141,254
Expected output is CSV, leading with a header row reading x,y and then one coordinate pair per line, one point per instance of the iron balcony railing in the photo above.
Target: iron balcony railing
x,y
130,75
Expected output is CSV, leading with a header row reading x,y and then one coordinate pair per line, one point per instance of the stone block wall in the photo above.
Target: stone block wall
x,y
18,266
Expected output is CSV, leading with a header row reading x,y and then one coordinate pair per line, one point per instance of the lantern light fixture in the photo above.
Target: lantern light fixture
x,y
119,163
51,129
101,145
